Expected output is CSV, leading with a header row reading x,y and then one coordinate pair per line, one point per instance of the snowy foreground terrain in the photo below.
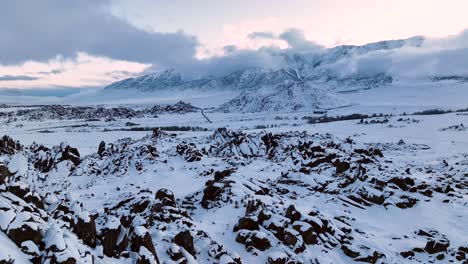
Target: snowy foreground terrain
x,y
157,184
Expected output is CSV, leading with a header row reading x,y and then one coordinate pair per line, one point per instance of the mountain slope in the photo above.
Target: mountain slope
x,y
293,97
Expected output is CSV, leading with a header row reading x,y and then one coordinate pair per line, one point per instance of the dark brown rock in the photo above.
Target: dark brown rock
x,y
402,183
308,235
277,260
25,233
371,258
349,252
101,148
143,240
341,166
9,146
223,174
251,239
4,174
185,240
292,213
111,246
433,246
72,155
86,231
166,196
246,223
407,254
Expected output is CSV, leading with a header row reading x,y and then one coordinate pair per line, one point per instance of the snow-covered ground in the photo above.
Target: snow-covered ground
x,y
269,188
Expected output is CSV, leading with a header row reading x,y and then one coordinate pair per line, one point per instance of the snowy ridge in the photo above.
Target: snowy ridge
x,y
294,97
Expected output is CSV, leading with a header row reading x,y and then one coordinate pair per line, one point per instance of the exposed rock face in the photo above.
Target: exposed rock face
x,y
166,196
4,173
101,148
185,240
215,188
71,154
253,240
85,229
114,239
45,159
9,146
120,157
60,112
232,143
124,228
31,228
178,108
141,241
436,246
189,151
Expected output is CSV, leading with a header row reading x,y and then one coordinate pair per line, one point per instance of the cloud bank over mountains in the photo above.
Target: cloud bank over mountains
x,y
434,57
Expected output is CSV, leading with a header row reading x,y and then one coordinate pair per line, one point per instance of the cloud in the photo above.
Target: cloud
x,y
82,70
235,60
297,40
229,48
54,71
262,35
18,78
266,56
40,30
436,57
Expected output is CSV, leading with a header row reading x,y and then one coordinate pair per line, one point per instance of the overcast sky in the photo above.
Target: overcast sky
x,y
83,43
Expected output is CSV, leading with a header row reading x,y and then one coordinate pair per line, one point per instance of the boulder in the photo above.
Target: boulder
x,y
25,232
4,174
114,241
292,213
9,146
246,223
254,239
184,239
433,246
101,148
142,239
166,196
85,229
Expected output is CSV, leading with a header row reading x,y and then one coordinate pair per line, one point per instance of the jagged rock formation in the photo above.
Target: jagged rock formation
x,y
261,197
178,108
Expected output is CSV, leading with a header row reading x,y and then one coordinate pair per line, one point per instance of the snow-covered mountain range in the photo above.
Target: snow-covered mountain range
x,y
302,81
296,67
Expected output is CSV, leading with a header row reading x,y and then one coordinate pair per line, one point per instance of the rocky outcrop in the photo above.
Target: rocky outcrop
x,y
189,151
233,143
8,146
45,159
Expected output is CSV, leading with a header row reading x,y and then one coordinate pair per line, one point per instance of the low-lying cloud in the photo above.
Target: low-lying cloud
x,y
18,78
434,58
